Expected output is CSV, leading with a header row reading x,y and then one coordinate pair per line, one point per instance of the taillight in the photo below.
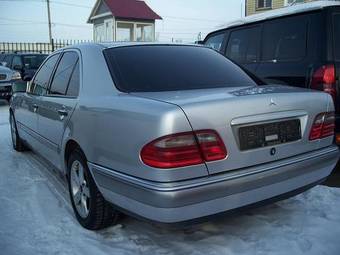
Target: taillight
x,y
324,79
184,149
323,126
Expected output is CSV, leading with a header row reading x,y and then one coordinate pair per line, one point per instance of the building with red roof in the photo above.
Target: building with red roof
x,y
123,20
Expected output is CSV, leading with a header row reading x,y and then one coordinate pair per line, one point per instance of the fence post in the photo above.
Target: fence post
x,y
52,44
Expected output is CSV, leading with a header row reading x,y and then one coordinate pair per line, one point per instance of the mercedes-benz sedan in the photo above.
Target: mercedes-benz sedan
x,y
170,133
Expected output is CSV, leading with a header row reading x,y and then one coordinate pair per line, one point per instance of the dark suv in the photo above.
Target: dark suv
x,y
298,46
24,63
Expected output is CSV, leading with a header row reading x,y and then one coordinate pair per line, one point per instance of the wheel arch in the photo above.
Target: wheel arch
x,y
71,146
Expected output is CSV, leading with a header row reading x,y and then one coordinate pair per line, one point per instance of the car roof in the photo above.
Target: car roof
x,y
281,12
88,46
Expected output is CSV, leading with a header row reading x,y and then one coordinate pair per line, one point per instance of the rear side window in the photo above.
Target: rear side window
x,y
243,45
63,73
172,68
285,40
336,22
73,87
41,80
215,41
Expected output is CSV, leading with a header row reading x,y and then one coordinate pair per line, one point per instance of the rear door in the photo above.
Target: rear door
x,y
243,46
284,51
27,113
57,105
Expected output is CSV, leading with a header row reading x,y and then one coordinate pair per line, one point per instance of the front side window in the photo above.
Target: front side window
x,y
243,45
8,60
263,4
178,68
63,74
17,63
33,61
285,40
42,78
215,41
336,22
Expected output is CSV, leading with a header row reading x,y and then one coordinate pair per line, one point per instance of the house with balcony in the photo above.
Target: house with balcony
x,y
123,20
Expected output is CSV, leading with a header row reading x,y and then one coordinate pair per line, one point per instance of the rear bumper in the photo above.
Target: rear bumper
x,y
188,200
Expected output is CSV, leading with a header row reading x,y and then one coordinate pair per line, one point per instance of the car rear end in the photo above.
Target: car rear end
x,y
7,78
256,143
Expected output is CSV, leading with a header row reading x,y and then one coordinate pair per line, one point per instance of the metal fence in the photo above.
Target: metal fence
x,y
8,47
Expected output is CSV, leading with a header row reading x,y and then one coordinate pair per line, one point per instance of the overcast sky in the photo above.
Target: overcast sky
x,y
26,20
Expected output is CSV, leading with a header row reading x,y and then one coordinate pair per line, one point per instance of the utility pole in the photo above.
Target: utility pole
x,y
49,21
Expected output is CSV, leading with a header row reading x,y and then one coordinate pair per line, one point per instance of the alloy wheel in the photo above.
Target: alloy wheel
x,y
80,189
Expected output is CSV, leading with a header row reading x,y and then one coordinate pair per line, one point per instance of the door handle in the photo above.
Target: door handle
x,y
35,107
62,113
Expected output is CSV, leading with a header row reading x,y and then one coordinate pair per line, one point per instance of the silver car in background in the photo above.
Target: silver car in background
x,y
170,133
7,78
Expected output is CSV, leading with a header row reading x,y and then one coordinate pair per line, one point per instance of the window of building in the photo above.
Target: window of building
x,y
243,45
290,2
263,4
144,33
215,41
285,40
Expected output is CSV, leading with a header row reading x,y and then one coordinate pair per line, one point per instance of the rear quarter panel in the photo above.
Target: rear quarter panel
x,y
112,130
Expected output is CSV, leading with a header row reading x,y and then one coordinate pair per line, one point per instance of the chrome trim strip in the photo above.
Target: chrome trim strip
x,y
268,117
176,186
38,137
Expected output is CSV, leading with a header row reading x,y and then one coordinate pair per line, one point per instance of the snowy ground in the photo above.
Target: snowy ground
x,y
36,218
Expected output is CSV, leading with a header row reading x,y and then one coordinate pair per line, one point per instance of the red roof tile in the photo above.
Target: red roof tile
x,y
131,9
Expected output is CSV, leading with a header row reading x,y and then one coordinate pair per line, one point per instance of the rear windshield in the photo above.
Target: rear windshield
x,y
152,68
33,61
336,23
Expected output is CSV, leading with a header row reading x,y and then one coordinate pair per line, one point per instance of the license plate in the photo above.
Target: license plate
x,y
257,136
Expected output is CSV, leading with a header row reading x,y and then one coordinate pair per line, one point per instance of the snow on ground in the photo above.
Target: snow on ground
x,y
36,218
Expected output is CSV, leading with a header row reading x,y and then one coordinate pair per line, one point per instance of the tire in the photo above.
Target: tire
x,y
17,143
89,206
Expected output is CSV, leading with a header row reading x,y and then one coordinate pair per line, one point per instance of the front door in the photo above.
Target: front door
x,y
29,109
58,104
108,24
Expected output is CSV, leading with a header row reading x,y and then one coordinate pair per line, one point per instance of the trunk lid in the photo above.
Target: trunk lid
x,y
231,110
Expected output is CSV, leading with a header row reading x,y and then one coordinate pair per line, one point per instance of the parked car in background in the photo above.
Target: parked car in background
x,y
7,78
190,136
297,45
24,63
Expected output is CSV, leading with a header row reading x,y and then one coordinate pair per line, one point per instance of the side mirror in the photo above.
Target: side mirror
x,y
17,68
19,86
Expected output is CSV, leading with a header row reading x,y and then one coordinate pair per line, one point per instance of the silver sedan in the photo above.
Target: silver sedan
x,y
170,133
